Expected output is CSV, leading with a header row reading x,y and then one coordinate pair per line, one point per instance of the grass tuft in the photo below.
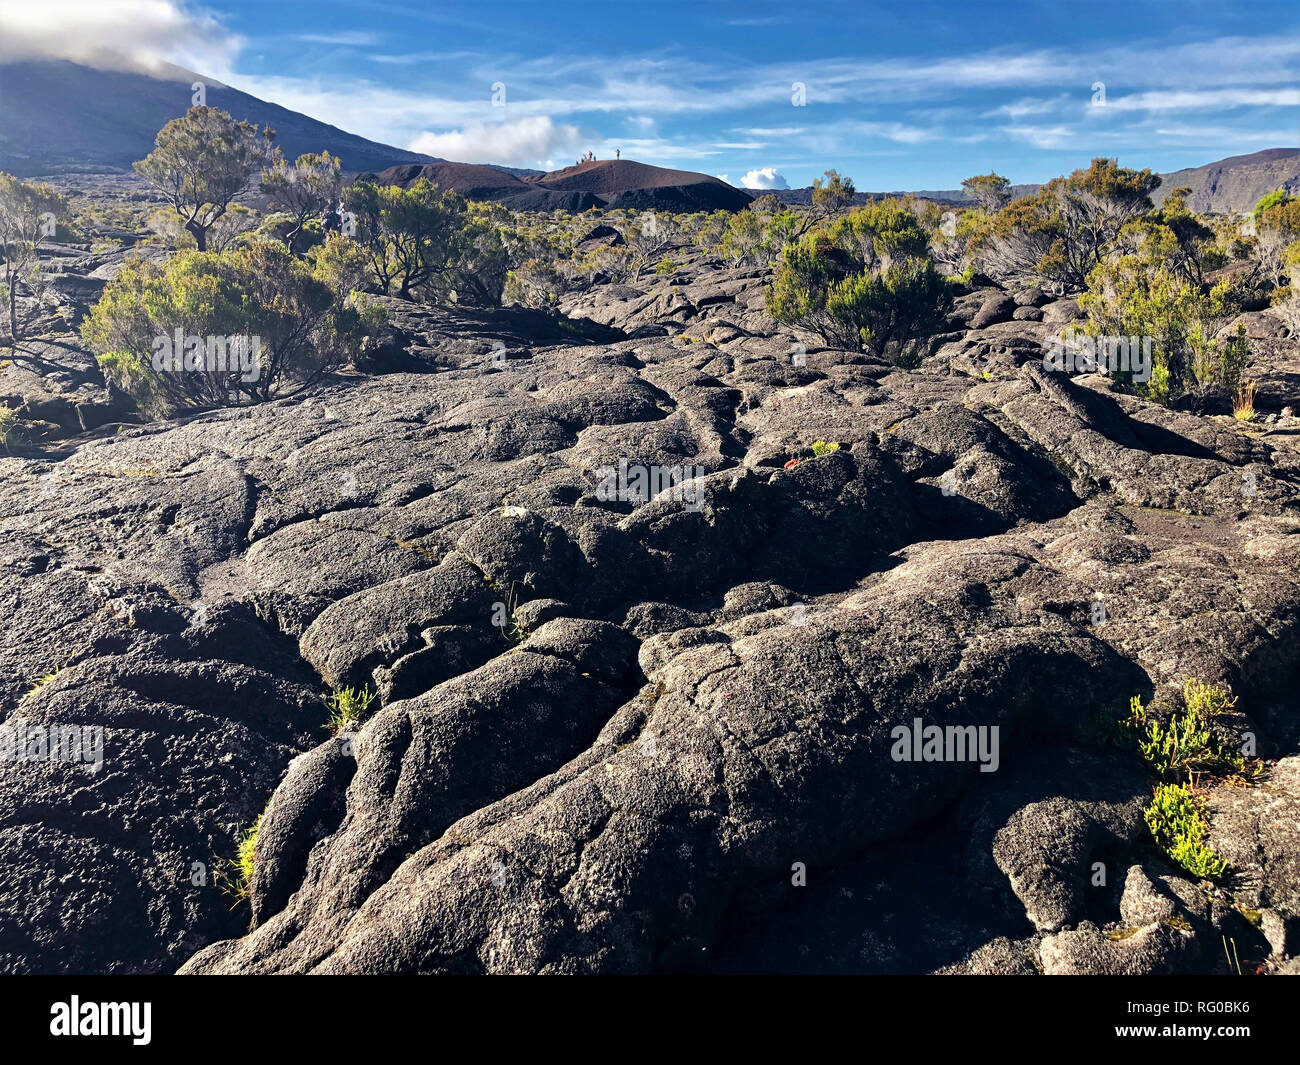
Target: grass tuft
x,y
237,880
348,707
1243,402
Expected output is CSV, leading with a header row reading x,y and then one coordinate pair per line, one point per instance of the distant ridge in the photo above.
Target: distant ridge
x,y
608,183
1238,182
1229,185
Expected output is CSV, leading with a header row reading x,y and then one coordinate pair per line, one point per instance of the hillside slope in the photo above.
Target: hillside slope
x,y
59,116
1238,182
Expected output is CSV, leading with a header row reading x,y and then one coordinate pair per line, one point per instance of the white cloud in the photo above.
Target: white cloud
x,y
522,142
408,58
118,34
779,131
356,38
1213,100
1057,136
1018,109
766,178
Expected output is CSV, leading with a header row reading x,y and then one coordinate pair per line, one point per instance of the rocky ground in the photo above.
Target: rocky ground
x,y
676,753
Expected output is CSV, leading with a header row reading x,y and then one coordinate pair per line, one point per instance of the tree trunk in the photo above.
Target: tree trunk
x,y
199,233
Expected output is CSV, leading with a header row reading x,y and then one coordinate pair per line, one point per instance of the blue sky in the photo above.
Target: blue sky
x,y
897,95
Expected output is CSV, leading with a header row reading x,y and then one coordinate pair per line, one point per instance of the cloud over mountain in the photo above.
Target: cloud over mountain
x,y
522,142
135,35
766,178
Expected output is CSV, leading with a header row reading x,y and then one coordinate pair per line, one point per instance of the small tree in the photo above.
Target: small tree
x,y
222,234
758,234
27,211
478,272
412,235
991,192
648,236
201,162
305,189
1174,234
742,239
832,194
1058,235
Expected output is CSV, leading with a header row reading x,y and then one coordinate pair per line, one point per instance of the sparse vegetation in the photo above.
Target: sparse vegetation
x,y
1177,820
235,877
1243,402
8,424
348,708
40,682
1186,745
511,628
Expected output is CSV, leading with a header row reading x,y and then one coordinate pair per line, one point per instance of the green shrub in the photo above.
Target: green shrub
x,y
258,291
1276,198
427,242
823,447
1177,820
1140,294
1186,744
864,283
